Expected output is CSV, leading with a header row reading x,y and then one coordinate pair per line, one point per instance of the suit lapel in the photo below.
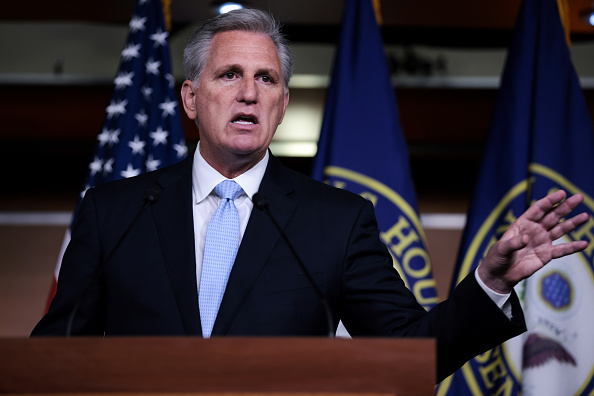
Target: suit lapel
x,y
259,240
174,219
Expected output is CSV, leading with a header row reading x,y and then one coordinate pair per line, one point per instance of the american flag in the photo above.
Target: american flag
x,y
142,129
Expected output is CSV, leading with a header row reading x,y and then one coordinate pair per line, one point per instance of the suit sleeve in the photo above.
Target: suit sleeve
x,y
377,302
78,297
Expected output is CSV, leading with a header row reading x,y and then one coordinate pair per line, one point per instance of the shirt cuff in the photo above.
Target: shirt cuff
x,y
500,299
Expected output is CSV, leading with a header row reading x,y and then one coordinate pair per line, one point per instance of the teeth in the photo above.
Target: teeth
x,y
243,122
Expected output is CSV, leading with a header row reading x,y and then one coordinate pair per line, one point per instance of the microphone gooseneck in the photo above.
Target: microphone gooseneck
x,y
261,203
151,195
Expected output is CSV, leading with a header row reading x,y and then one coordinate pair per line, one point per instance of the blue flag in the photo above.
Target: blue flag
x,y
142,129
541,139
362,147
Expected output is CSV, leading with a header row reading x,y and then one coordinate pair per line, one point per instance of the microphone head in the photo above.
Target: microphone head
x,y
260,201
153,193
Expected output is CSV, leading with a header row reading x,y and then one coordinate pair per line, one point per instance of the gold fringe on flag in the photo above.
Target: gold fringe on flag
x,y
167,13
378,12
563,6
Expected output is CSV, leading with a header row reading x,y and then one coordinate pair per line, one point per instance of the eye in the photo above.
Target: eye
x,y
228,75
266,79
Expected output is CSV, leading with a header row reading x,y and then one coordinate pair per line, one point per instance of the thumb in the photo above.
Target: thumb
x,y
510,246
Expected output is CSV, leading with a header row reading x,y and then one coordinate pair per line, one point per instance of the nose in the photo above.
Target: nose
x,y
248,91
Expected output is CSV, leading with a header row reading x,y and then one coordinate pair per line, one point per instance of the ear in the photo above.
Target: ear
x,y
188,96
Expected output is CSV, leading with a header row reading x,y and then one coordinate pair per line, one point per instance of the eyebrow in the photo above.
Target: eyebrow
x,y
238,68
233,67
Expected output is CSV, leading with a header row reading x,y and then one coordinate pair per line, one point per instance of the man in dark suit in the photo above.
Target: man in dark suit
x,y
155,279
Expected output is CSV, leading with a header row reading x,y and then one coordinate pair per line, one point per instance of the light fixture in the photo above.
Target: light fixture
x,y
225,7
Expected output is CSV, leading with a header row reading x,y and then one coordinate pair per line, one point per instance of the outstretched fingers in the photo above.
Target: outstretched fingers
x,y
561,210
565,227
549,210
528,244
565,249
553,209
538,211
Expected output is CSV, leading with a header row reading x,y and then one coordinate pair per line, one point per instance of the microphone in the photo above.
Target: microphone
x,y
261,203
151,195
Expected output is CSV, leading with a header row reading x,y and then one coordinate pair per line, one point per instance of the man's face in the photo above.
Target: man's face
x,y
239,100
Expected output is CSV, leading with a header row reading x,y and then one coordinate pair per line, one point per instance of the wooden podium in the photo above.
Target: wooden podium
x,y
217,366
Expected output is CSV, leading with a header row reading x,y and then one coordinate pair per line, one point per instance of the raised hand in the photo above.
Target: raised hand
x,y
527,245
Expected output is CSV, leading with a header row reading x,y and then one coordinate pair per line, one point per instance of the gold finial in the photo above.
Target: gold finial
x,y
167,13
563,6
378,12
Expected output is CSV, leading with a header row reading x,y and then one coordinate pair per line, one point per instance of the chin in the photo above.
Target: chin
x,y
248,146
259,153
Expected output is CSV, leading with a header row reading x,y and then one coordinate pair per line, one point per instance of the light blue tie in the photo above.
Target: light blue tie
x,y
220,248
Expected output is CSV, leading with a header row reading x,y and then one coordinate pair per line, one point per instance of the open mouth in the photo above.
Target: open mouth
x,y
245,120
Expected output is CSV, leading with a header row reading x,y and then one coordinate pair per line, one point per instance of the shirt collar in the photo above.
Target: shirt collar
x,y
205,177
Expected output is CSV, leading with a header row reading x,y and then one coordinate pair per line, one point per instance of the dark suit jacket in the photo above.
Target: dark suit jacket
x,y
148,286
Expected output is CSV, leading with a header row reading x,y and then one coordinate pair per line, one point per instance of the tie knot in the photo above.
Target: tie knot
x,y
228,189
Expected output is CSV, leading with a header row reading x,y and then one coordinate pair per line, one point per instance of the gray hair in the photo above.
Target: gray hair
x,y
197,50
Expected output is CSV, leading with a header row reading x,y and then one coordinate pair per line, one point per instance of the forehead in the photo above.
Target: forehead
x,y
242,48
